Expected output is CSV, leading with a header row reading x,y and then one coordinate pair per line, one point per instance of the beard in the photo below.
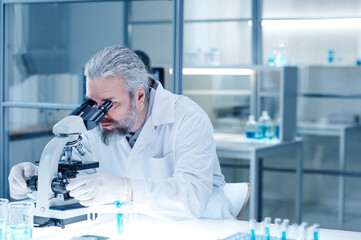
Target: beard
x,y
122,127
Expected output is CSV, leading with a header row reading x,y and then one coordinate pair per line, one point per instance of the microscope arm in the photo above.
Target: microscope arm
x,y
48,170
66,130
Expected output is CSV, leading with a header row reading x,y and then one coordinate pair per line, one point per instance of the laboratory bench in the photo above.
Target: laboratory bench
x,y
237,146
145,227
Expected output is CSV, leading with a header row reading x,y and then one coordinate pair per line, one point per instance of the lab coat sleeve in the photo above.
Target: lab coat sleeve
x,y
186,193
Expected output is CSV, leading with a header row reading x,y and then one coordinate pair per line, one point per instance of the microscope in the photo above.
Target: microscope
x,y
53,205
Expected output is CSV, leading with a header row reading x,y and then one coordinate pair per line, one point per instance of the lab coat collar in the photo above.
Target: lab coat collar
x,y
162,113
163,107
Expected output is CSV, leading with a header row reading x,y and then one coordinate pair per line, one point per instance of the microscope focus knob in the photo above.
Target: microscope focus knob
x,y
32,183
58,185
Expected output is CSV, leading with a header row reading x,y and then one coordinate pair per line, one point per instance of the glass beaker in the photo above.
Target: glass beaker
x,y
21,220
3,218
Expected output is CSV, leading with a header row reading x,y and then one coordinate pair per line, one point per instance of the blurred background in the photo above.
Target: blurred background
x,y
232,53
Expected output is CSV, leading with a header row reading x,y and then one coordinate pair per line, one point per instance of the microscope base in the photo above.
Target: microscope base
x,y
48,222
60,215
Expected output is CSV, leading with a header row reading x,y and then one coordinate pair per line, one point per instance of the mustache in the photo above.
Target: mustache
x,y
111,121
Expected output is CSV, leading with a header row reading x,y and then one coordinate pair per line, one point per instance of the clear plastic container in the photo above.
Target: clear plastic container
x,y
251,127
265,126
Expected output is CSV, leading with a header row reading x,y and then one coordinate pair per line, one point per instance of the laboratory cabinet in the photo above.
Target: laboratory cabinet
x,y
230,94
323,33
328,119
329,94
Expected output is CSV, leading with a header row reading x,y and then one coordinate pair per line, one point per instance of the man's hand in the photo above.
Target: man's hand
x,y
17,179
100,188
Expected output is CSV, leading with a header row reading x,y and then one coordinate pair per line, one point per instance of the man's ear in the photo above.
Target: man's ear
x,y
139,95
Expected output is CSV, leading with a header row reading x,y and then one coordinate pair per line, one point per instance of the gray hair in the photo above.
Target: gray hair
x,y
119,61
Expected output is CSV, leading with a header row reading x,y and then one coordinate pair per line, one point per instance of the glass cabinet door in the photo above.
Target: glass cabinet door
x,y
217,39
150,29
230,95
225,96
312,32
48,45
217,33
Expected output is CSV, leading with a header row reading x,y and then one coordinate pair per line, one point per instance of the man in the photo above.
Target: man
x,y
153,147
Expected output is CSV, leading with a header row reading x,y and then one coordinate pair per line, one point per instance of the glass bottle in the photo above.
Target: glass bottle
x,y
265,125
251,127
281,59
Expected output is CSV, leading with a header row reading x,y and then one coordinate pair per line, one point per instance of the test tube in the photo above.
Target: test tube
x,y
310,231
120,218
262,231
277,229
293,231
284,228
252,227
316,229
302,231
267,226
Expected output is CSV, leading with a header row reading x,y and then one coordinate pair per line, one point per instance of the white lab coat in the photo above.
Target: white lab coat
x,y
173,165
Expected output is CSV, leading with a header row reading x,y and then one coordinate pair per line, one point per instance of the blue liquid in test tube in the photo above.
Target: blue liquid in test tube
x,y
315,236
267,222
316,230
284,228
120,218
252,226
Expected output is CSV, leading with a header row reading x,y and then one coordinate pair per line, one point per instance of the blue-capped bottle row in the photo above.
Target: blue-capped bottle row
x,y
279,230
264,128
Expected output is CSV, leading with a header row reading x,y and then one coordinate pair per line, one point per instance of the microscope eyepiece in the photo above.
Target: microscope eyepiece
x,y
106,106
89,102
92,116
84,107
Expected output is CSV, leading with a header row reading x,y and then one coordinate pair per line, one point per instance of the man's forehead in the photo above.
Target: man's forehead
x,y
112,81
109,88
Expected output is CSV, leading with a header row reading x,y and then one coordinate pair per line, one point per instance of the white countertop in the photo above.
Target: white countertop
x,y
149,228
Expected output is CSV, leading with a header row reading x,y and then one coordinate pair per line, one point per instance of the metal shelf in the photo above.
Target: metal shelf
x,y
218,92
269,94
332,95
